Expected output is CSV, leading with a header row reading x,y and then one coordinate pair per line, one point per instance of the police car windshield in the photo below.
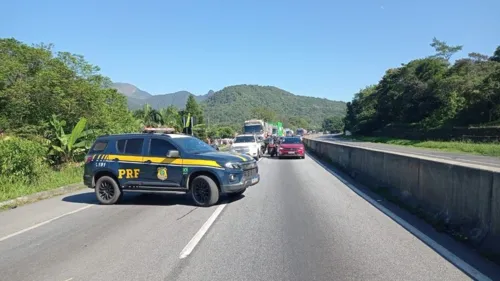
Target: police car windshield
x,y
193,145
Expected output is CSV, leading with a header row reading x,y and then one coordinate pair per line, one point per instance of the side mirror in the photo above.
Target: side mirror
x,y
173,154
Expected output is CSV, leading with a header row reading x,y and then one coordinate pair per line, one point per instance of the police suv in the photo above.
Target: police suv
x,y
155,161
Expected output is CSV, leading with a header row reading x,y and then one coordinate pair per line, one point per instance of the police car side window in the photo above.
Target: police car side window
x,y
120,146
134,146
160,147
99,146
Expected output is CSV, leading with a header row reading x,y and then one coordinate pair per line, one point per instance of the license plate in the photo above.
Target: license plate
x,y
291,152
254,180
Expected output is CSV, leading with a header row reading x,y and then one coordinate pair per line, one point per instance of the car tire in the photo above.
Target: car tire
x,y
204,191
107,190
236,194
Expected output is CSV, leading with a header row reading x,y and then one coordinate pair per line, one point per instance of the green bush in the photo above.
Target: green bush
x,y
21,159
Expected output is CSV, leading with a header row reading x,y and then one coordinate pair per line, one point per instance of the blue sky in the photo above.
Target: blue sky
x,y
317,48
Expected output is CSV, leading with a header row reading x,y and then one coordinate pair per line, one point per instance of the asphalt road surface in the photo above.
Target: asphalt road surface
x,y
300,222
459,157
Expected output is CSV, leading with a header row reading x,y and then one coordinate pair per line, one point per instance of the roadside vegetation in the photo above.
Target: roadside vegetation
x,y
52,107
432,100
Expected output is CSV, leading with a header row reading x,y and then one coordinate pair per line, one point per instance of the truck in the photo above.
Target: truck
x,y
277,129
301,132
256,127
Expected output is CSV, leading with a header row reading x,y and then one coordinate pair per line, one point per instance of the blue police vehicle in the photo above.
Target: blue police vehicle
x,y
156,161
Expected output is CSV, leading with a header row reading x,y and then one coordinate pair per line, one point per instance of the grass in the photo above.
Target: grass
x,y
487,149
50,179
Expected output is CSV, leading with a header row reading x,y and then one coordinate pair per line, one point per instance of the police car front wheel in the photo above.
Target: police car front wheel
x,y
204,191
107,190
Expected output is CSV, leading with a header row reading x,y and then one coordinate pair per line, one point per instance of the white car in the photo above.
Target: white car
x,y
247,144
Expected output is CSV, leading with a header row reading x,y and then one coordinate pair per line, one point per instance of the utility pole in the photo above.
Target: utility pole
x,y
184,124
192,119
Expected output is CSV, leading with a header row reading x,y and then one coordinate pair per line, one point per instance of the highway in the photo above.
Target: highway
x,y
433,153
301,222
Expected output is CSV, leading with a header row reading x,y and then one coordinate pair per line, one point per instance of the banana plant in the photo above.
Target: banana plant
x,y
64,147
169,117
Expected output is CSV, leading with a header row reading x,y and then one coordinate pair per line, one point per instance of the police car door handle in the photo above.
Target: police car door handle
x,y
147,161
116,159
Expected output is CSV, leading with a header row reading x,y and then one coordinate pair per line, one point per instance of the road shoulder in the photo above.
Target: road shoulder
x,y
29,215
31,198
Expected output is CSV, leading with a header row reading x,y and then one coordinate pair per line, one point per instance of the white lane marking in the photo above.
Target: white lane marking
x,y
69,279
458,262
197,237
44,223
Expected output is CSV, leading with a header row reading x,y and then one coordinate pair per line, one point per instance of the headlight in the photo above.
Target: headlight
x,y
231,165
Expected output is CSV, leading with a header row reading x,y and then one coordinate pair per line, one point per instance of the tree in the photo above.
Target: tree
x,y
333,124
264,114
226,132
496,55
36,84
430,93
170,117
200,131
296,122
490,88
64,147
213,132
444,50
148,116
193,108
477,57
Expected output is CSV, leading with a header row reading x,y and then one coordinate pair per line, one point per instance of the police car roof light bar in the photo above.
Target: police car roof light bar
x,y
164,131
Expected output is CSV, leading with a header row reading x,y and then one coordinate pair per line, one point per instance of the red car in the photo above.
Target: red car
x,y
291,147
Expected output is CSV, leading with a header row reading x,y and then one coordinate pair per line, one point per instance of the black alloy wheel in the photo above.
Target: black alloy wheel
x,y
204,191
107,190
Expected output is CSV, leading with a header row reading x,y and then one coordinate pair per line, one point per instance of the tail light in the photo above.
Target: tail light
x,y
88,159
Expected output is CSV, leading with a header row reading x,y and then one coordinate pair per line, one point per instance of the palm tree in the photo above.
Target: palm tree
x,y
148,116
170,117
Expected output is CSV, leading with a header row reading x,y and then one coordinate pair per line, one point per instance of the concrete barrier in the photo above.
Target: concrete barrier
x,y
461,199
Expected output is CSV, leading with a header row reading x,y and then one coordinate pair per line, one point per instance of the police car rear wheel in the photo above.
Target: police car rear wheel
x,y
204,191
107,190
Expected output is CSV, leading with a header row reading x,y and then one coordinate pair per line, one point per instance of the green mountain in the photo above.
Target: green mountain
x,y
137,98
131,91
235,104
